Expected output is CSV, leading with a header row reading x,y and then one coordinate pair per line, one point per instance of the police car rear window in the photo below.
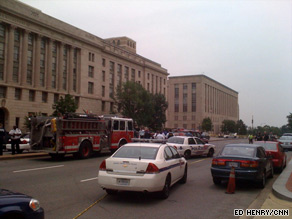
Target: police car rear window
x,y
137,152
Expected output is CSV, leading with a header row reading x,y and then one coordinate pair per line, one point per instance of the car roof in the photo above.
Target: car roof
x,y
138,144
183,136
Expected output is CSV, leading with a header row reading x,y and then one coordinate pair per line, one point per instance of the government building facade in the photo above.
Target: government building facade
x,y
42,59
195,97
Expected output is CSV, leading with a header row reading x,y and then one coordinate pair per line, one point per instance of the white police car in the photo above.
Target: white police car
x,y
143,167
191,146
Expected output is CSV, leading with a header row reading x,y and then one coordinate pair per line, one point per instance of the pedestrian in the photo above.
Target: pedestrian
x,y
15,134
2,138
266,136
250,138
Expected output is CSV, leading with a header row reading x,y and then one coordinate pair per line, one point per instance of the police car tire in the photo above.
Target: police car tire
x,y
210,153
166,189
187,154
183,180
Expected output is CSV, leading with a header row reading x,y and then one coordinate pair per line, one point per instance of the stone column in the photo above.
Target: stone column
x,y
49,65
23,66
70,70
36,55
10,51
60,66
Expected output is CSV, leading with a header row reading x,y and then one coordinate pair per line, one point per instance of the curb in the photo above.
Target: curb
x,y
279,187
20,156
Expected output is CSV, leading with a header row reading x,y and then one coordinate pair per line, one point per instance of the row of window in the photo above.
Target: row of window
x,y
31,70
185,98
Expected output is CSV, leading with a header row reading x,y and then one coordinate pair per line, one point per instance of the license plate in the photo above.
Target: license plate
x,y
123,182
233,164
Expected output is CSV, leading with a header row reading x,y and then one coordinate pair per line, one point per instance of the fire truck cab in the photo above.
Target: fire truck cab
x,y
79,134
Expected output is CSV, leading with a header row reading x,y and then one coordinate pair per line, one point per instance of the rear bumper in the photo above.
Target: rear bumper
x,y
252,175
147,182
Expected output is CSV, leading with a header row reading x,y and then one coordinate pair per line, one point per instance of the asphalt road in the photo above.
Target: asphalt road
x,y
69,189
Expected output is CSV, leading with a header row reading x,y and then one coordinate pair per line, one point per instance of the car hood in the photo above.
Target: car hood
x,y
9,194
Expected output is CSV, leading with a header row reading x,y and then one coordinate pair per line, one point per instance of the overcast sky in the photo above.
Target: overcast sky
x,y
245,45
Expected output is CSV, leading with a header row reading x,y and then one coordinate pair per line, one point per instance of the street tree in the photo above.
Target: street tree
x,y
134,102
228,126
289,117
207,124
159,107
241,127
64,105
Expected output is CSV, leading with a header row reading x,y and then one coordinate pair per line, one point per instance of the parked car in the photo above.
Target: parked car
x,y
191,146
206,135
24,143
278,154
143,167
17,205
286,142
249,160
231,135
287,134
191,133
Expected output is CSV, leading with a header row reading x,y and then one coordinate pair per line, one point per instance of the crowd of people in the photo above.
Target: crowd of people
x,y
261,137
145,133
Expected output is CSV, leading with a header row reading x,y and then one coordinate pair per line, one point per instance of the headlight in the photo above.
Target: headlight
x,y
34,204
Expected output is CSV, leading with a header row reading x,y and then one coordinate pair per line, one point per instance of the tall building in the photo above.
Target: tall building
x,y
43,58
193,98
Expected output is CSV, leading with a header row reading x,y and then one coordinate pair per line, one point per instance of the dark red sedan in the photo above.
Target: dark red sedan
x,y
275,149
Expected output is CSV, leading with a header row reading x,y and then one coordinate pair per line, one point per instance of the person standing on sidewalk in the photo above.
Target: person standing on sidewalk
x,y
2,137
15,134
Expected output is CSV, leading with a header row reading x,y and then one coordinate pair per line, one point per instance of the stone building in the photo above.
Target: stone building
x,y
42,58
195,97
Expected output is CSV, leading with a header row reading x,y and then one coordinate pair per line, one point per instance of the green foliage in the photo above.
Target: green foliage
x,y
241,128
65,105
146,109
289,117
228,126
207,124
159,106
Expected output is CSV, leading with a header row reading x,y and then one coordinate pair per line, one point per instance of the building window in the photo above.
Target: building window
x,y
126,73
103,91
194,98
44,97
133,75
77,101
119,75
103,76
17,94
148,76
2,92
185,97
90,71
56,98
65,52
31,96
90,87
1,50
103,106
103,62
139,74
176,98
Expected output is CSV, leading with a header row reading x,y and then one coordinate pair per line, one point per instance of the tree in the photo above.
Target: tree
x,y
289,117
241,127
146,109
159,105
228,126
207,124
65,105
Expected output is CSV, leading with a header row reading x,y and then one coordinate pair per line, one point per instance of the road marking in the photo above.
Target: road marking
x,y
197,161
42,168
90,206
85,180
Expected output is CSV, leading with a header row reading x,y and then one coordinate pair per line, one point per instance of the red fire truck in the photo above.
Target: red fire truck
x,y
79,134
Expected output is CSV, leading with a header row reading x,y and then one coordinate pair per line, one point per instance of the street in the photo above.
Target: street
x,y
69,189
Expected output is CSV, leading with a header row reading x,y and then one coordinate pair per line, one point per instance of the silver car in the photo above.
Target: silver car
x,y
286,142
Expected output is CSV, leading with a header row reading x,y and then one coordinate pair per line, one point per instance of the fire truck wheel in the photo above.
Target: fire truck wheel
x,y
85,150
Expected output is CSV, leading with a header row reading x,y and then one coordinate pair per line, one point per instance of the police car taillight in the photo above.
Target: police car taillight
x,y
102,166
152,168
